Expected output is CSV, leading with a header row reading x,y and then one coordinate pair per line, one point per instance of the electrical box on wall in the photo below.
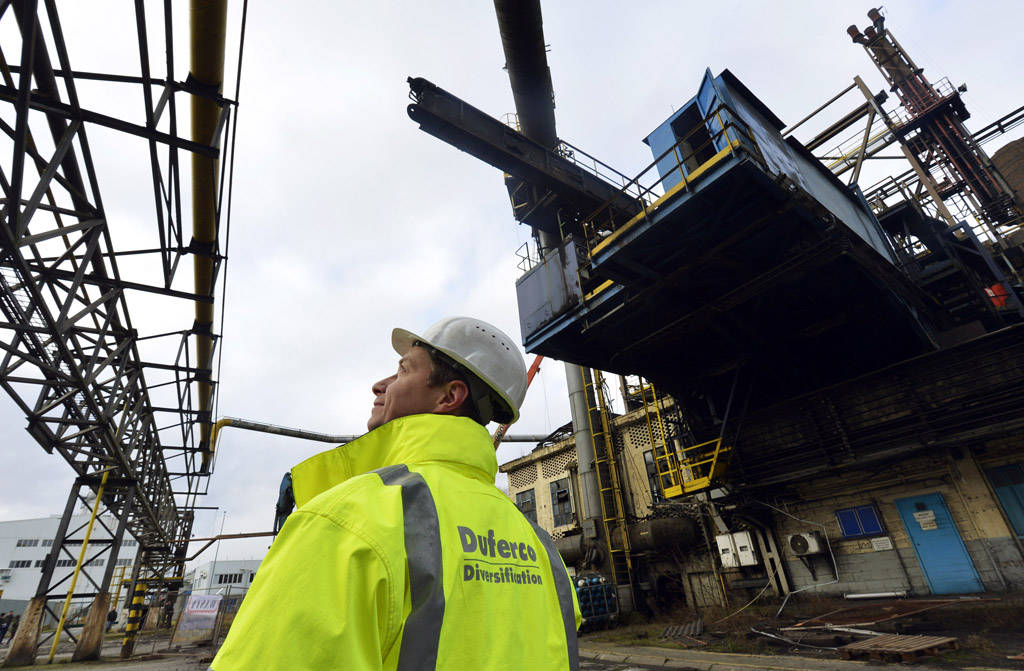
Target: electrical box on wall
x,y
736,549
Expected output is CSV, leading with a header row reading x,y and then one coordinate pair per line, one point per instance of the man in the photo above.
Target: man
x,y
402,554
15,621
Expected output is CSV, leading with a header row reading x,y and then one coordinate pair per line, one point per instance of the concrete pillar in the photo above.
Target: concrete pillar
x,y
152,618
23,648
90,641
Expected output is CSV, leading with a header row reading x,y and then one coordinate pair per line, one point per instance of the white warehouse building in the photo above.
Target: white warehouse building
x,y
25,544
226,576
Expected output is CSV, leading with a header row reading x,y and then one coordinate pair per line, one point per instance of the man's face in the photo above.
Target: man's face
x,y
406,392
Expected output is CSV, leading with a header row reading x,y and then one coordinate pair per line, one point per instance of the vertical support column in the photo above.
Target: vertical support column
x,y
134,617
90,641
115,550
23,649
578,404
50,563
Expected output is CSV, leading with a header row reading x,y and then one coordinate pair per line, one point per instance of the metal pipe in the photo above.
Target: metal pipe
x,y
876,595
207,28
521,25
574,379
830,101
522,39
263,427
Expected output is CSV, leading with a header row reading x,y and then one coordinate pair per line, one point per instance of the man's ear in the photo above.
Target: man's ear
x,y
455,394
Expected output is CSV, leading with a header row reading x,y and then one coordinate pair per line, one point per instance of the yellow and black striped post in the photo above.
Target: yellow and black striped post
x,y
134,621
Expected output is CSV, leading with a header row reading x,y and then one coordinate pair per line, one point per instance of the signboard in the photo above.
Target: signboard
x,y
926,518
198,620
881,543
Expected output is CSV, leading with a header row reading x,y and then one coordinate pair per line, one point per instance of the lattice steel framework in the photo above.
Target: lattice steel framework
x,y
69,353
930,124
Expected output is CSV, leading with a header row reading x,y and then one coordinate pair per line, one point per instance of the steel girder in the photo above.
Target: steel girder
x,y
69,354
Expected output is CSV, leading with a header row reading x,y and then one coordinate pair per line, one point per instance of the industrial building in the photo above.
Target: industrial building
x,y
26,545
818,377
226,576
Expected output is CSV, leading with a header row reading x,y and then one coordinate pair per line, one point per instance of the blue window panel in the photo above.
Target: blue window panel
x,y
869,520
860,521
849,525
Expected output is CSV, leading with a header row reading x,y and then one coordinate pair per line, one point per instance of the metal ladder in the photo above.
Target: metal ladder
x,y
689,469
613,515
670,477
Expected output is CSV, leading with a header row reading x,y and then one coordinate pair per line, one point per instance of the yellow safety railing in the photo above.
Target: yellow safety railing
x,y
704,466
666,463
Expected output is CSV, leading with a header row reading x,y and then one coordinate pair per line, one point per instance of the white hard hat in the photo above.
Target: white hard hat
x,y
482,350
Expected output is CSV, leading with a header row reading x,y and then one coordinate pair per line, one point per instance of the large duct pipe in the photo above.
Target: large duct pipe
x,y
521,25
661,533
572,548
208,25
584,439
522,38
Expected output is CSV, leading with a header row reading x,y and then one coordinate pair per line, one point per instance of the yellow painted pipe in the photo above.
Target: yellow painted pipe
x,y
207,29
78,567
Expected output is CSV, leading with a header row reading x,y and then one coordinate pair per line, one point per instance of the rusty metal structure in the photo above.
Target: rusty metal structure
x,y
931,126
128,411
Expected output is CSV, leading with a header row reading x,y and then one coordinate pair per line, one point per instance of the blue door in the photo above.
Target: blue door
x,y
710,101
940,550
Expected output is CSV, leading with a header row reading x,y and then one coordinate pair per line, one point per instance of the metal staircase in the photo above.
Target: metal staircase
x,y
685,470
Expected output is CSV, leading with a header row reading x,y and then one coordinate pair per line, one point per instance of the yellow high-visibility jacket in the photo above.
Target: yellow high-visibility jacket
x,y
402,554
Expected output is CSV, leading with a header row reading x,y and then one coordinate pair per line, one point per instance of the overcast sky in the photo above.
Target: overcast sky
x,y
347,220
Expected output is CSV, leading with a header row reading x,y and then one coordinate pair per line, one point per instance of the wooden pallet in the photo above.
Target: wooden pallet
x,y
906,647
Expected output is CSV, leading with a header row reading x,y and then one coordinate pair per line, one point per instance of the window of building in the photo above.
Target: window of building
x,y
39,563
123,562
561,502
97,562
27,542
5,574
251,576
129,542
21,563
526,502
65,562
859,521
47,542
1008,483
229,578
652,476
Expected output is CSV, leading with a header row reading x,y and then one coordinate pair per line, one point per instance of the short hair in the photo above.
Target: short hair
x,y
443,371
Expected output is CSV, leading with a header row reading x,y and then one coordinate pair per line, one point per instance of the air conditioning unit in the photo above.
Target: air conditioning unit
x,y
805,543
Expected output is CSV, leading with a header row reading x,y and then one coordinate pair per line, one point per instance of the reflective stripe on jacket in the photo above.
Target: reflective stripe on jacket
x,y
404,555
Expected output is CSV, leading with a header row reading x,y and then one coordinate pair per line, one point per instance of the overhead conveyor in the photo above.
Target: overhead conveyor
x,y
128,409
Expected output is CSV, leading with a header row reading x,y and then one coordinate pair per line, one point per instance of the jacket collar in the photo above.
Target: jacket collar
x,y
407,440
